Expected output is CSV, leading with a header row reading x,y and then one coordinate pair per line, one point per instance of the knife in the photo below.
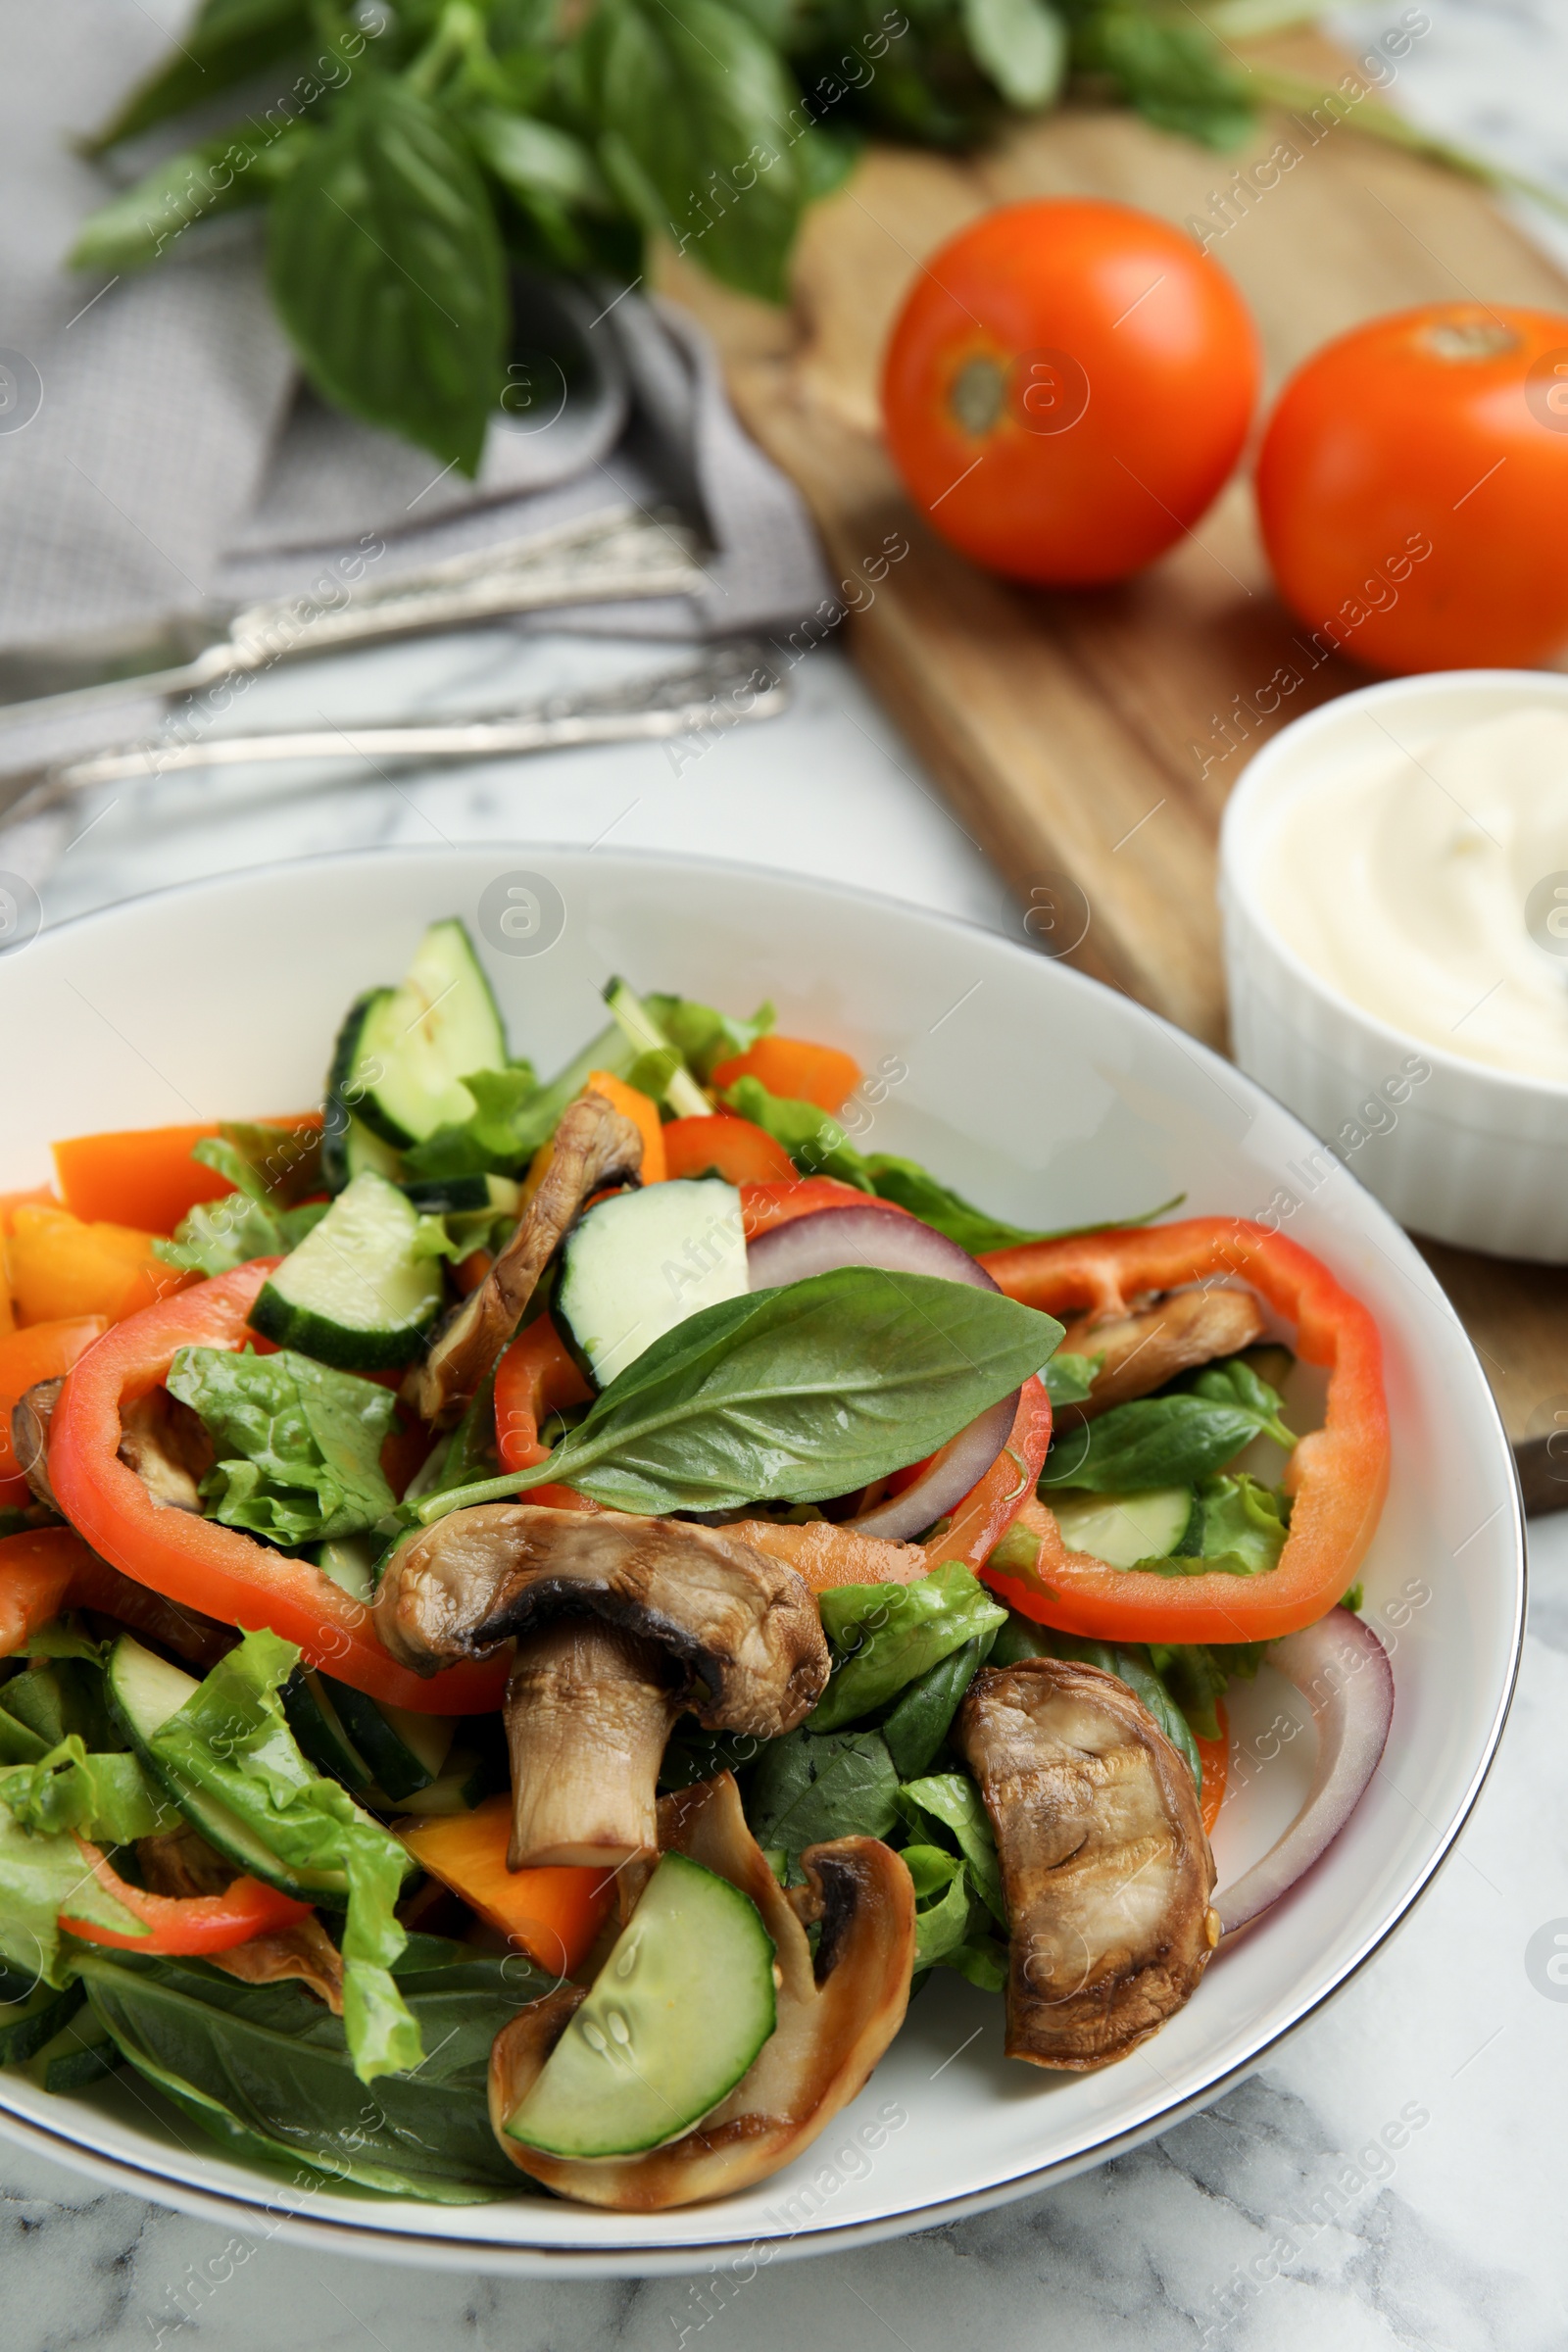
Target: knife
x,y
618,553
725,685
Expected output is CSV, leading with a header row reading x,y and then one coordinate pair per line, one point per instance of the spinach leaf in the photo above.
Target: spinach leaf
x,y
231,1738
791,1395
1197,1674
893,1633
298,1444
106,1797
952,1799
1244,1526
983,1960
920,1721
816,1142
386,267
811,1787
248,1222
267,2070
704,1038
1151,1441
675,87
942,1902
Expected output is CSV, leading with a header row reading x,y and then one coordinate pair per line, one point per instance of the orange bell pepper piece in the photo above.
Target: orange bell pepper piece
x,y
1336,1476
725,1146
643,1113
789,1066
553,1914
61,1267
143,1177
40,1352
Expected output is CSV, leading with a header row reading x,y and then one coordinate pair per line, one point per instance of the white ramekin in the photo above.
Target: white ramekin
x,y
1469,1154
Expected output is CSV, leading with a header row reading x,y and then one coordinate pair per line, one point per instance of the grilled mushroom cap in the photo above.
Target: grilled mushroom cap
x,y
622,1624
836,2016
1104,1865
1143,1351
594,1146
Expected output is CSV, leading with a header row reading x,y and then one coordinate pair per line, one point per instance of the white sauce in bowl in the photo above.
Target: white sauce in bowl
x,y
1404,881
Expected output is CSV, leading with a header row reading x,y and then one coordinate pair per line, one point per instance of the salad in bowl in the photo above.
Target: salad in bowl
x,y
535,1611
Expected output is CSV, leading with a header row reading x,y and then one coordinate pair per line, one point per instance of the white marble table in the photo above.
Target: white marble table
x,y
1281,2217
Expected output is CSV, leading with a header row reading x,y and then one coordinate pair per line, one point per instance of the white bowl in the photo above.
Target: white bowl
x,y
1049,1099
1469,1154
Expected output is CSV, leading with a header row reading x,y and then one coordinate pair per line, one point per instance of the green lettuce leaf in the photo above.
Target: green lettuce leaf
x,y
893,1633
231,1738
253,1220
298,1444
495,1140
1197,1676
106,1797
1244,1527
704,1038
816,1144
952,1800
41,1875
940,1899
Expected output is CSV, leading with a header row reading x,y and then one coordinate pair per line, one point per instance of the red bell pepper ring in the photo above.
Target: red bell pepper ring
x,y
198,1563
186,1923
1336,1476
536,1377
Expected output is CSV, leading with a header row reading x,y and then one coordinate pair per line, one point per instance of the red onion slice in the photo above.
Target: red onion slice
x,y
883,1236
1341,1669
831,1238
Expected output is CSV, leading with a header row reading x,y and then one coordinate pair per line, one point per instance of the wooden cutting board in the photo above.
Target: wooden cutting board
x,y
1088,742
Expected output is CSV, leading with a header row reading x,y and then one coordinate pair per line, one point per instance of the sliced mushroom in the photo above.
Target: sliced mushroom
x,y
622,1623
836,2016
167,1446
1143,1351
594,1146
1104,1865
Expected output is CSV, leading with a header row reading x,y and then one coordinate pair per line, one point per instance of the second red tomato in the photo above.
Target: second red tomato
x,y
1067,389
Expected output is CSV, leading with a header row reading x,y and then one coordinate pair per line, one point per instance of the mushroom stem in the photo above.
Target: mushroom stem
x,y
589,1710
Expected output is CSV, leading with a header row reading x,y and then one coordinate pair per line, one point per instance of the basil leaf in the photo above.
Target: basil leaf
x,y
683,86
811,1787
1021,45
266,2069
814,1142
1235,1382
297,1443
923,1716
895,1633
241,167
106,1797
952,1799
231,1737
229,40
1150,1441
386,267
791,1395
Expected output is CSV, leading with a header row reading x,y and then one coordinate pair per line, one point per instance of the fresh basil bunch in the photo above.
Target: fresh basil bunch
x,y
410,152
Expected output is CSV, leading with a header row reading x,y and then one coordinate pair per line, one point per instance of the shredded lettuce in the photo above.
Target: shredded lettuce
x,y
298,1444
231,1738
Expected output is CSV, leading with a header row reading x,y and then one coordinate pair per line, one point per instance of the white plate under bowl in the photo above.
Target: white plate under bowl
x,y
1053,1102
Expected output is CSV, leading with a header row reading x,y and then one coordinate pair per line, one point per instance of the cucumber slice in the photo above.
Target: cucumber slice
x,y
317,1724
641,1262
463,1784
643,1034
27,2025
1123,1529
143,1692
403,1053
353,1293
676,2016
405,1752
350,1561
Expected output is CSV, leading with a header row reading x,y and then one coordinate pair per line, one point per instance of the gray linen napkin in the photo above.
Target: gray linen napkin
x,y
157,452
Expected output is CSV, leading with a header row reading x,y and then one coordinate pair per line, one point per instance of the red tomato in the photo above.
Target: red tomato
x,y
1067,388
1413,489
